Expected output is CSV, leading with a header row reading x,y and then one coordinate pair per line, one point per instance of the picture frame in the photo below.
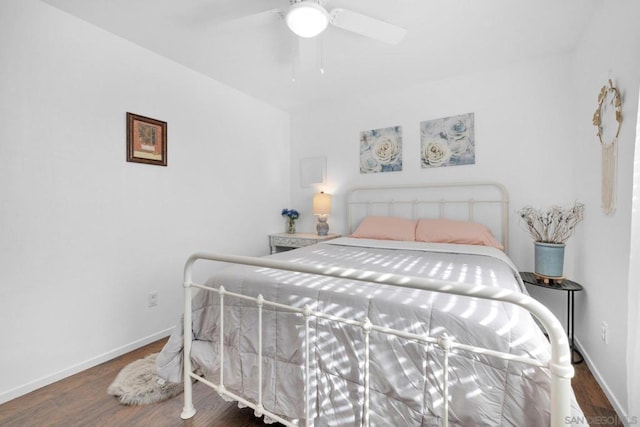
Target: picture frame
x,y
381,150
313,171
146,140
448,141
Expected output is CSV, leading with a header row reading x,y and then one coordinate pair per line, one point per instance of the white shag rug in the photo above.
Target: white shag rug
x,y
138,384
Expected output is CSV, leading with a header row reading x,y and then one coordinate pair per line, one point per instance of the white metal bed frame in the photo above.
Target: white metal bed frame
x,y
559,364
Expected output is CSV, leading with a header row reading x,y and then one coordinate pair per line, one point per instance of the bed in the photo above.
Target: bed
x,y
378,328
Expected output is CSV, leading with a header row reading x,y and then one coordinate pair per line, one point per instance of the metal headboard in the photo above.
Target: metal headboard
x,y
483,202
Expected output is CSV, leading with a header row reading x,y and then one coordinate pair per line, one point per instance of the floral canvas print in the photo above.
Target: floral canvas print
x,y
449,141
381,150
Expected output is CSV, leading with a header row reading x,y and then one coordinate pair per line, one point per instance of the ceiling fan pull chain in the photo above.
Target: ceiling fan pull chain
x,y
321,41
294,57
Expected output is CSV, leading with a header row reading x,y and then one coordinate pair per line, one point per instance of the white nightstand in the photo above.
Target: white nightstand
x,y
284,241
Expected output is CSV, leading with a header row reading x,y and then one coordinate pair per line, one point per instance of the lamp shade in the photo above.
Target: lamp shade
x,y
307,19
321,204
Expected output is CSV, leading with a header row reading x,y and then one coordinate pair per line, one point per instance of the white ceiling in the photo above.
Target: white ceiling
x,y
444,38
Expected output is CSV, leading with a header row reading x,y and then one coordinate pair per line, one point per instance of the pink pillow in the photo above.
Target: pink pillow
x,y
450,231
386,228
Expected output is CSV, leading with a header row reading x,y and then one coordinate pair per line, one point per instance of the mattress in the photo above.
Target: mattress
x,y
406,376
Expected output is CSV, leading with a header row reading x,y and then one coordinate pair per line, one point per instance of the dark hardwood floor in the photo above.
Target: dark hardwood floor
x,y
592,400
82,400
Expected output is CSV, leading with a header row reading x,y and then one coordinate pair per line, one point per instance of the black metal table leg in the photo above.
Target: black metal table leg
x,y
570,287
570,323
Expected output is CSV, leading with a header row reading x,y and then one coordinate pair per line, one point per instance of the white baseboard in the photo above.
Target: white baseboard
x,y
622,414
67,372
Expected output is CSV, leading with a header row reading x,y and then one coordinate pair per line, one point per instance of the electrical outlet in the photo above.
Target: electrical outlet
x,y
152,299
604,331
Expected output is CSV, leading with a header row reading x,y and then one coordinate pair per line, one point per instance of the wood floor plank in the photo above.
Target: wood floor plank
x,y
82,400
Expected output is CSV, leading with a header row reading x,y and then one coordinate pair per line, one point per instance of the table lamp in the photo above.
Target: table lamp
x,y
322,208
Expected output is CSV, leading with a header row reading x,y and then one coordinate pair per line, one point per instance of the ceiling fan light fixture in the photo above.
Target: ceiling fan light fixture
x,y
307,19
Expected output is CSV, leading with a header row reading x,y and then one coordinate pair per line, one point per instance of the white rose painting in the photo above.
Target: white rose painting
x,y
449,141
381,150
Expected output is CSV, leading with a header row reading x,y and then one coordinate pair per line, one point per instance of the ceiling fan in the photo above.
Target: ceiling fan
x,y
309,18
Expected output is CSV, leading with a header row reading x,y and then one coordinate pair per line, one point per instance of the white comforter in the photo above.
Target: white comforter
x,y
406,386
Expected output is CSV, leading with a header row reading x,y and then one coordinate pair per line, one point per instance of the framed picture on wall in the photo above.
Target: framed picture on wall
x,y
313,171
449,141
146,140
381,150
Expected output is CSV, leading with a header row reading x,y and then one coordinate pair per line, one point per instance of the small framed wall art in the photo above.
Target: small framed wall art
x,y
381,150
146,140
313,171
449,141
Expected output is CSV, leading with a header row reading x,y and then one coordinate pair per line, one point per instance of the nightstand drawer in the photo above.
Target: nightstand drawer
x,y
285,241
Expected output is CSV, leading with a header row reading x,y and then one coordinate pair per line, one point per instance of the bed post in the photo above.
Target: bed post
x,y
188,410
561,375
560,363
445,344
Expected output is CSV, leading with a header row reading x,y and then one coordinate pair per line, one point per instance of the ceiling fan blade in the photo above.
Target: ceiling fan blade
x,y
251,21
367,26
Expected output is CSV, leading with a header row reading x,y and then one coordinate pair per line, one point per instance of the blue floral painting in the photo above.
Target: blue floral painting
x,y
449,141
381,150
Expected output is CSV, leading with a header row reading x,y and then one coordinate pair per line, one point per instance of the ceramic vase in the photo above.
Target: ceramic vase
x,y
549,259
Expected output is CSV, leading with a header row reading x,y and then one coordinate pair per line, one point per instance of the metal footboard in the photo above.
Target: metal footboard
x,y
559,364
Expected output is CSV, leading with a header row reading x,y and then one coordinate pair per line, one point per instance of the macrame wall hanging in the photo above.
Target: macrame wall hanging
x,y
608,102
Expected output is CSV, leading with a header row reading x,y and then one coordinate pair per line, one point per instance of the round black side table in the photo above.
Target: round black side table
x,y
570,287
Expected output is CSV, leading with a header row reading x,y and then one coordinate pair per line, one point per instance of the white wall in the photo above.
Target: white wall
x,y
534,134
608,50
84,235
522,138
633,329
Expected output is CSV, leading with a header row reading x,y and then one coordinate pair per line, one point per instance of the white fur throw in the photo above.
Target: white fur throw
x,y
138,384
